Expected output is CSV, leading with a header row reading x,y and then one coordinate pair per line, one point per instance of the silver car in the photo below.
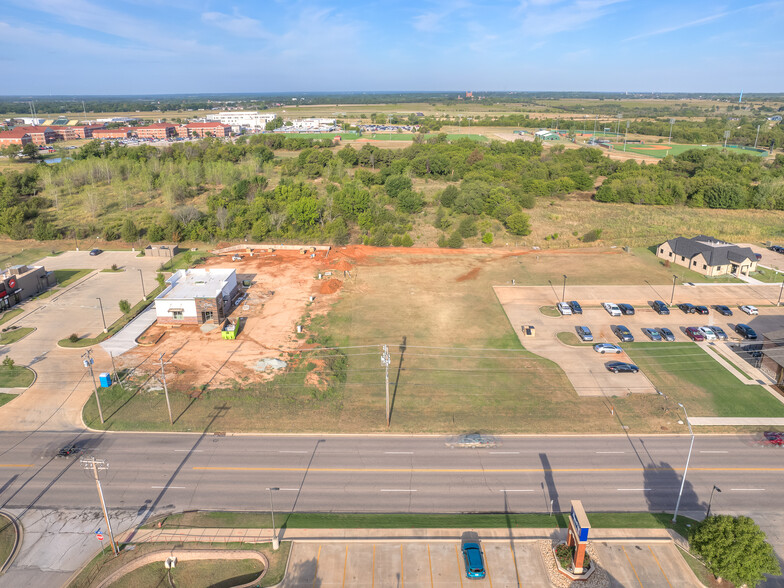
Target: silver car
x,y
606,348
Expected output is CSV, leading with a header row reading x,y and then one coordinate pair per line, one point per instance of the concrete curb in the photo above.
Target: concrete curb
x,y
17,544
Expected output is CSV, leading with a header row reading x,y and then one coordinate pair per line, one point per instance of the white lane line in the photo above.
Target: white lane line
x,y
190,450
610,452
399,452
396,490
288,489
714,451
747,489
169,487
515,490
633,489
284,451
505,452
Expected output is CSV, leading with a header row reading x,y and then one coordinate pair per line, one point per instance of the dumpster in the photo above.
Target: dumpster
x,y
105,379
230,329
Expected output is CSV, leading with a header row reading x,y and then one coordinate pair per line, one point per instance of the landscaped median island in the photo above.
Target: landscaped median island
x,y
12,335
15,376
199,565
7,538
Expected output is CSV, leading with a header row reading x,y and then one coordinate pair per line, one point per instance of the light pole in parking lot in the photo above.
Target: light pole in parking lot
x,y
778,302
275,542
715,488
141,277
672,296
686,469
103,318
563,295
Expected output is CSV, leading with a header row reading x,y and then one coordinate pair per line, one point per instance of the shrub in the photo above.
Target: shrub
x,y
125,306
518,223
73,337
8,362
592,235
467,227
487,238
448,196
455,241
114,267
410,201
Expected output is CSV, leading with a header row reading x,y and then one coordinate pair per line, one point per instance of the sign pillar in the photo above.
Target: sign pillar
x,y
577,536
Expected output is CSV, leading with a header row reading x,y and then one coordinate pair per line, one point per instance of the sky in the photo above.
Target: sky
x,y
93,47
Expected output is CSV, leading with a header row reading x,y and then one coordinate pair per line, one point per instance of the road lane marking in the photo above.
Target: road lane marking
x,y
747,489
16,465
633,489
515,490
315,574
631,564
713,451
504,453
169,487
189,450
397,490
609,452
468,470
658,564
399,452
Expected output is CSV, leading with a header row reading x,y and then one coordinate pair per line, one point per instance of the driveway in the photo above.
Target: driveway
x,y
63,385
769,258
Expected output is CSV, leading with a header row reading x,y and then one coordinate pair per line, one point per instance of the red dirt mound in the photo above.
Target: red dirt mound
x,y
343,266
330,286
469,275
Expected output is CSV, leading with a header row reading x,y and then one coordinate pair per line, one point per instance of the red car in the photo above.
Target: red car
x,y
773,438
694,334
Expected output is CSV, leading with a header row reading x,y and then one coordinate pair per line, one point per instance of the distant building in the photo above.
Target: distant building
x,y
243,119
772,360
201,129
708,255
197,296
156,131
121,133
546,135
18,136
71,132
39,135
19,282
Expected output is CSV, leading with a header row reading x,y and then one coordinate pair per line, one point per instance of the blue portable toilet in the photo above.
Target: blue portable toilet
x,y
105,379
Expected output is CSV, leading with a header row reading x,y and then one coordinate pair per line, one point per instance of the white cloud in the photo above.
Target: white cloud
x,y
547,17
241,26
428,22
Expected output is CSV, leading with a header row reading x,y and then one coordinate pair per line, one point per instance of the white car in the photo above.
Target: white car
x,y
749,309
708,333
612,308
564,308
606,348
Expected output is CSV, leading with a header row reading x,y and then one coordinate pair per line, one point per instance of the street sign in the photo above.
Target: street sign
x,y
99,536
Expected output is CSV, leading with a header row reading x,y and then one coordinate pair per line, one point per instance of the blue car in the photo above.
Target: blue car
x,y
474,562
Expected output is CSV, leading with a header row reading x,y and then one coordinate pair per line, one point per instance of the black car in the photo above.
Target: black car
x,y
626,308
660,307
687,307
96,251
618,367
575,306
723,310
745,331
701,309
777,248
623,333
68,450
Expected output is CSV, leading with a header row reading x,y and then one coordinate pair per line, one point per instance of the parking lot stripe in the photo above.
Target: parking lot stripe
x,y
747,489
315,574
487,566
345,565
430,563
402,576
631,564
658,564
459,567
15,465
373,568
514,559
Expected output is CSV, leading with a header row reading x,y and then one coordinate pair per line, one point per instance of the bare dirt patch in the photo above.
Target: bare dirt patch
x,y
469,275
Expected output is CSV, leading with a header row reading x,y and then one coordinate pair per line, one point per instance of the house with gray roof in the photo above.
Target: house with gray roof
x,y
708,255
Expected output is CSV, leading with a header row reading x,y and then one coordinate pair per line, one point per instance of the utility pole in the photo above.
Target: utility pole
x,y
166,389
757,139
672,122
88,363
275,540
685,471
103,318
626,136
144,294
90,463
726,136
114,368
672,296
385,361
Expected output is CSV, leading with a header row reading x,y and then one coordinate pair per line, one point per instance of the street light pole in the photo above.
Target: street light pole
x,y
672,296
275,541
103,318
141,277
686,469
778,302
563,295
88,362
711,499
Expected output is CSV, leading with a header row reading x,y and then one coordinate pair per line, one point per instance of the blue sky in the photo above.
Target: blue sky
x,y
181,46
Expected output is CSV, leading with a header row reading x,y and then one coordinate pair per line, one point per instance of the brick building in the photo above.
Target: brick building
x,y
157,131
71,132
17,136
197,296
215,129
121,133
708,255
22,281
39,135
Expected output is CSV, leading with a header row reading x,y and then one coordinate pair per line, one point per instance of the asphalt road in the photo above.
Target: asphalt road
x,y
163,472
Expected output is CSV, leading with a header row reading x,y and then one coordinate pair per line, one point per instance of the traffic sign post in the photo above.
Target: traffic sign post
x,y
99,536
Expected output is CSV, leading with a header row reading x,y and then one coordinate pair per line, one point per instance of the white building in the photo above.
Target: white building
x,y
309,125
197,296
243,119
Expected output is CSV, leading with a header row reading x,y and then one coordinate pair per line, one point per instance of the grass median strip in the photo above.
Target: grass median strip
x,y
14,335
66,277
16,376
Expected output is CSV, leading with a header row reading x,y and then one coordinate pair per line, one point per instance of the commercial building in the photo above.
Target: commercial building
x,y
17,136
309,125
708,255
22,281
71,132
772,360
203,129
238,120
157,131
39,135
197,296
121,133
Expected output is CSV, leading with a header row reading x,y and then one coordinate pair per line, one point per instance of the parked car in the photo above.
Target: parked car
x,y
96,251
564,308
723,310
719,332
758,256
773,438
694,334
606,348
652,334
618,367
623,333
745,331
627,309
687,307
776,248
749,309
660,307
701,309
708,333
667,334
474,562
612,308
584,333
575,306
236,257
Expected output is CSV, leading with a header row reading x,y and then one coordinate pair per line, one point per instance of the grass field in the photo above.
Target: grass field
x,y
661,150
6,398
66,277
687,374
214,573
17,376
15,335
769,275
7,538
410,137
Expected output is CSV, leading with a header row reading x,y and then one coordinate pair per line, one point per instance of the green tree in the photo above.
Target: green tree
x,y
449,195
125,306
30,151
261,228
518,223
410,201
735,549
42,230
129,232
455,241
487,238
397,184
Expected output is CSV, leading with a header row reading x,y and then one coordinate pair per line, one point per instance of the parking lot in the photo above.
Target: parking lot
x,y
439,564
584,367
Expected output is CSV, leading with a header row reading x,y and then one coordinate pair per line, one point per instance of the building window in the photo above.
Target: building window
x,y
704,267
670,254
661,250
177,315
206,315
683,258
694,262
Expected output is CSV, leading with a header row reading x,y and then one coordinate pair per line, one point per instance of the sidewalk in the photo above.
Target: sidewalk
x,y
743,421
217,535
125,339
